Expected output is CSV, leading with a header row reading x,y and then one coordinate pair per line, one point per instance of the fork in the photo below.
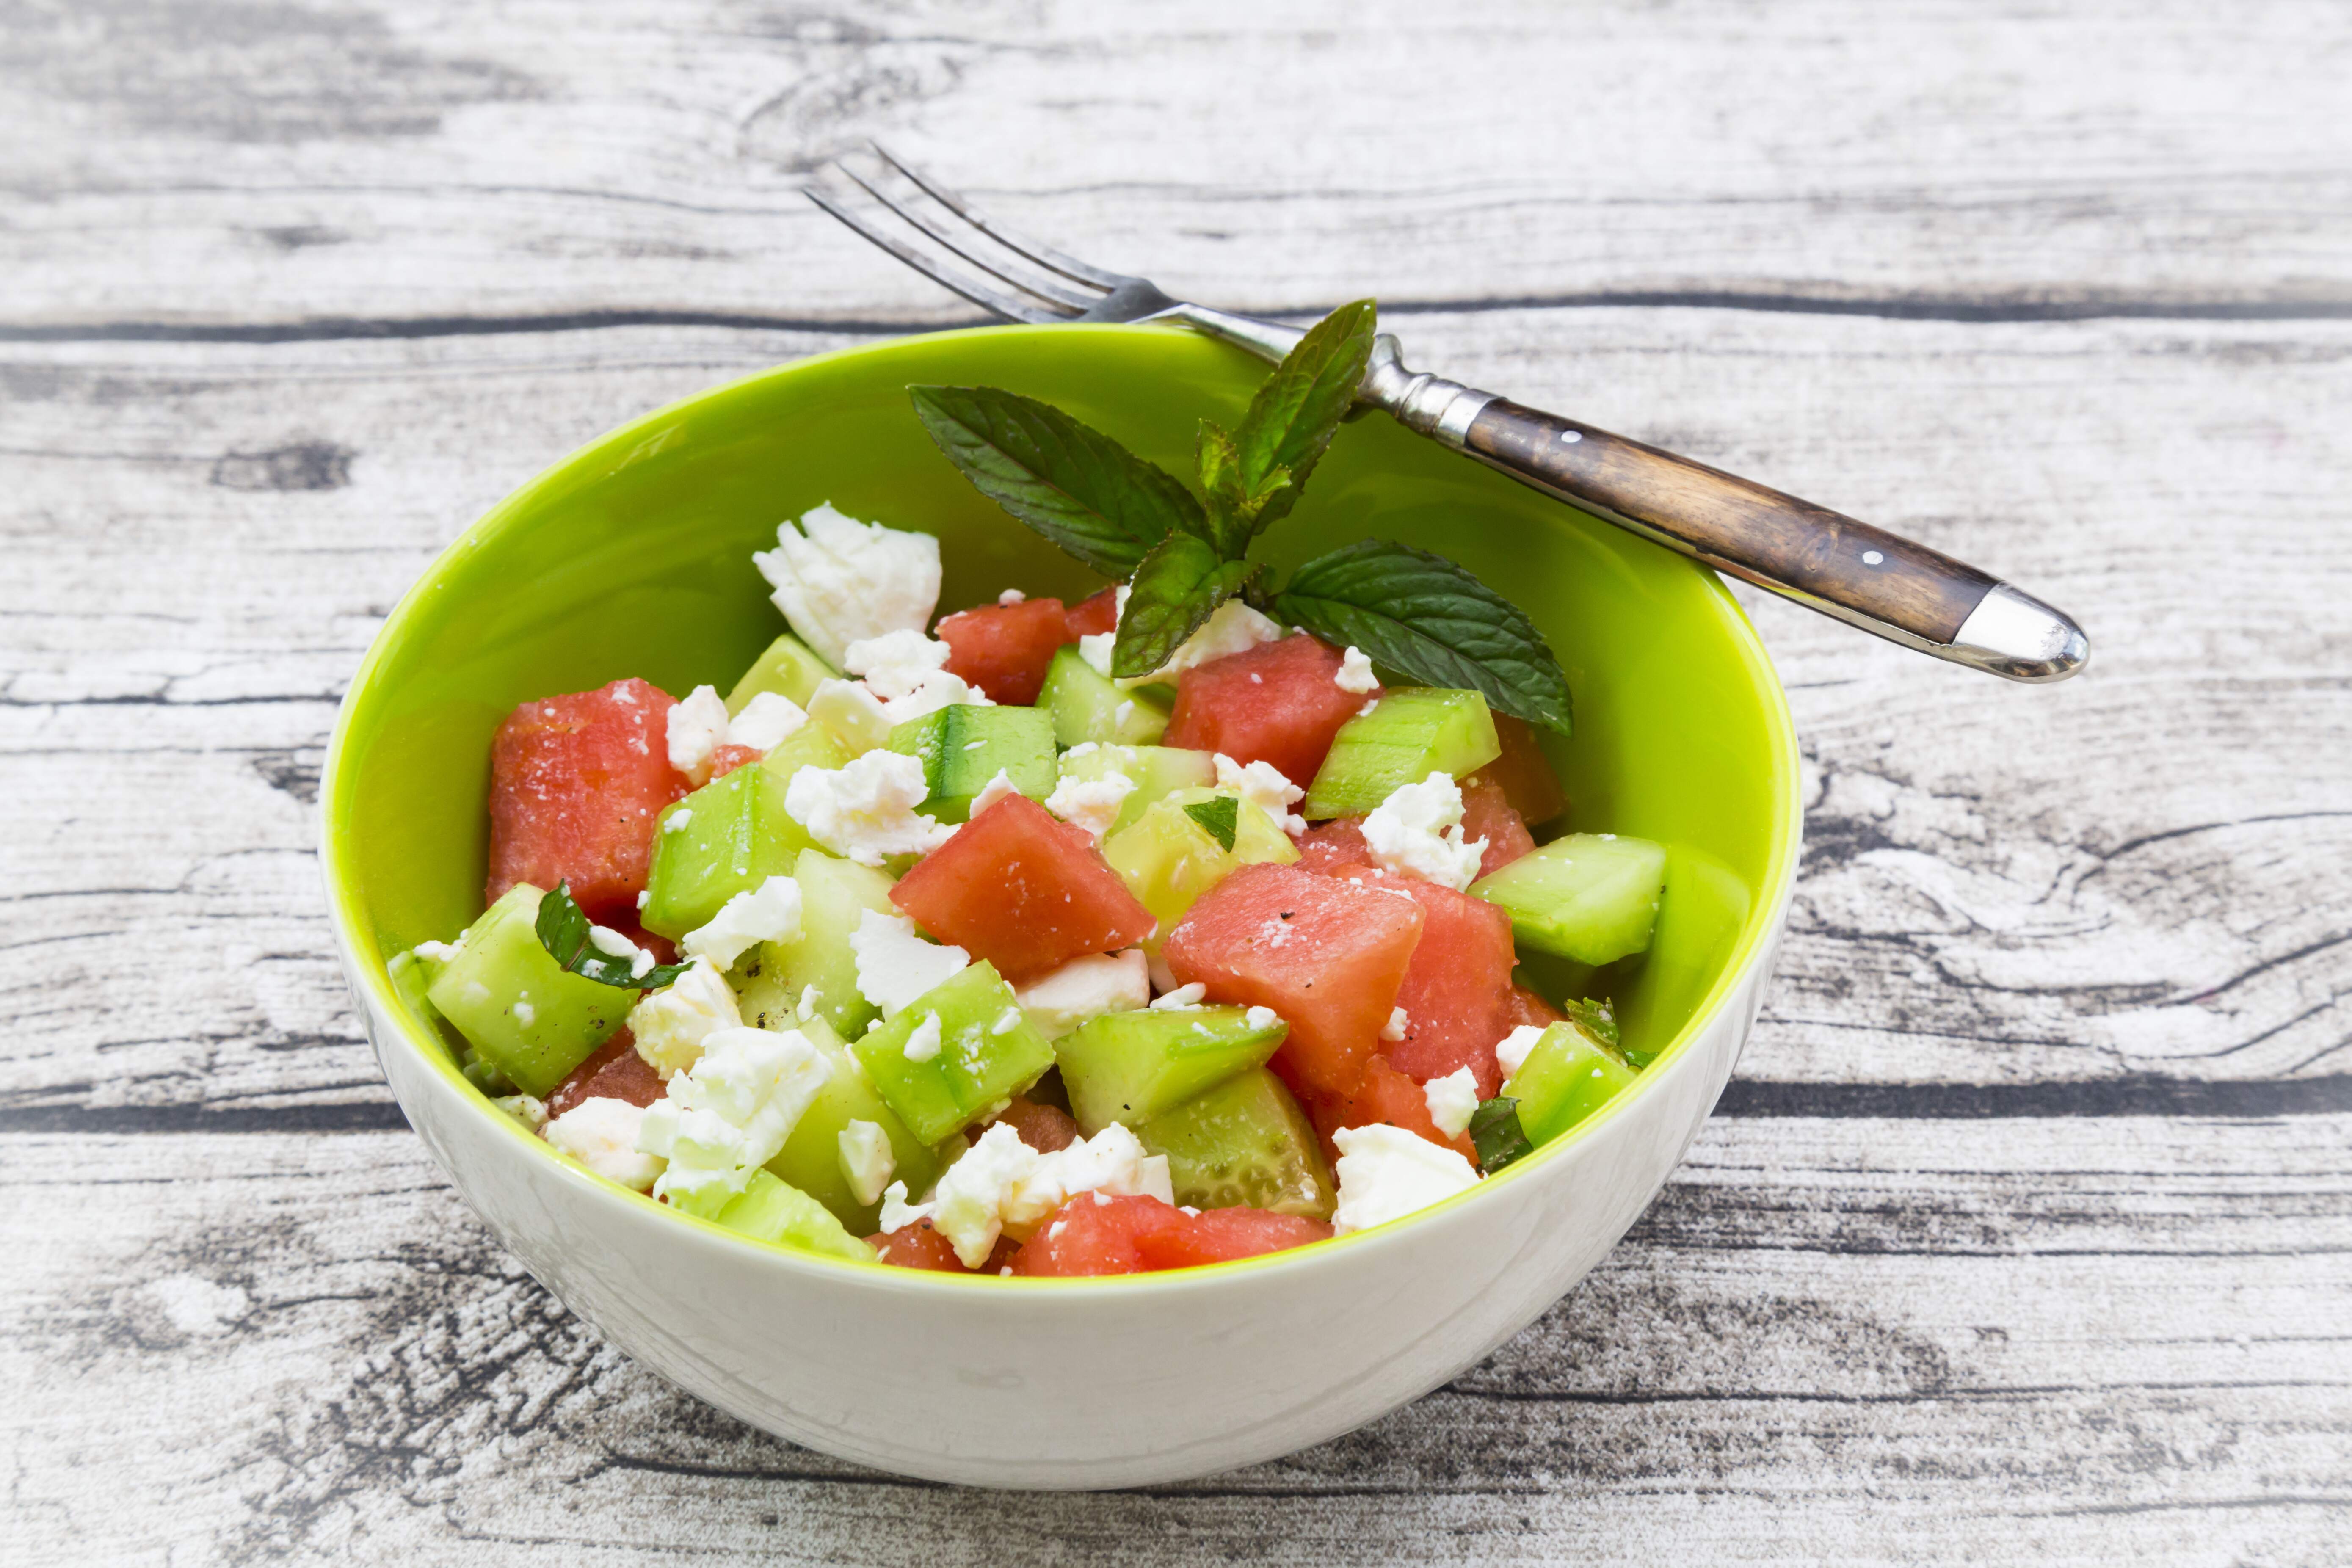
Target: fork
x,y
1863,575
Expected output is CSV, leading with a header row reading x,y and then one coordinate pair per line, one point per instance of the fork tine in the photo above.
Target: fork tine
x,y
1047,290
978,293
1044,255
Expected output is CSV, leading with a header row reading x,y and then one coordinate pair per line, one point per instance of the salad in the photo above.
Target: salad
x,y
1179,925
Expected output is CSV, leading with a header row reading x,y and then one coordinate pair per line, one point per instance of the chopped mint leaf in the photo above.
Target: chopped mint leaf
x,y
1596,1019
1428,619
1494,1128
1070,482
1179,586
1218,819
563,927
1296,410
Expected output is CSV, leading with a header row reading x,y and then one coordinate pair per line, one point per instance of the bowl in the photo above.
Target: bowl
x,y
631,557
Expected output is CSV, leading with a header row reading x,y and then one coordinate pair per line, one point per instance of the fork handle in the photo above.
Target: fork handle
x,y
1863,575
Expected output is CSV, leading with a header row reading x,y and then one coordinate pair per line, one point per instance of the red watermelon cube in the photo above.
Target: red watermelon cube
x,y
1525,1007
1279,703
1095,615
1487,814
725,759
1456,993
1326,954
1220,1235
1388,1096
1003,649
614,1071
1024,891
1334,846
1523,771
1096,1233
576,782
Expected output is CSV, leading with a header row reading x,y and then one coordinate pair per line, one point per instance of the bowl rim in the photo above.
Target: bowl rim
x,y
371,984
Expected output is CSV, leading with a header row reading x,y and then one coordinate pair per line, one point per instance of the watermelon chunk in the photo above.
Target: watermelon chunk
x,y
1220,1235
1524,1007
1095,1233
1457,990
1024,891
576,782
725,759
1044,1128
1003,649
1388,1096
1327,954
1488,813
917,1246
1334,846
1524,772
614,1071
1095,615
1278,702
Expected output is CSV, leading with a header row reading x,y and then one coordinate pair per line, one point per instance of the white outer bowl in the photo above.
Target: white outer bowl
x,y
1070,1384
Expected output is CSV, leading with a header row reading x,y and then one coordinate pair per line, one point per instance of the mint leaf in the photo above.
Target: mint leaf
x,y
1179,586
1494,1130
1428,619
1235,505
1220,818
1073,484
1596,1019
1298,408
562,927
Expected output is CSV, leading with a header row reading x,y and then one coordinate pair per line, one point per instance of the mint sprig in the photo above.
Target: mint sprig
x,y
563,931
1419,615
1496,1133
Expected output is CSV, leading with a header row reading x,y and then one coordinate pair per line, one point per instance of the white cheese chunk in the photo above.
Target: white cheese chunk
x,y
730,1113
1002,1187
1233,628
1386,1173
697,726
1355,674
923,1043
1090,803
839,581
1183,996
897,1214
1094,648
1011,596
602,1134
894,663
866,1160
527,1108
1399,1021
767,722
1265,786
895,966
770,913
1451,1099
671,1024
865,810
1418,831
1511,1051
1085,988
991,792
1261,1017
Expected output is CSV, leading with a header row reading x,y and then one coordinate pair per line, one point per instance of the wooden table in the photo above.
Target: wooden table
x,y
2025,1233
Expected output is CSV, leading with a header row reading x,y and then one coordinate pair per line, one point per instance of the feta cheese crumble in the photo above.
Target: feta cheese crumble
x,y
1002,1185
1418,831
671,1024
1397,1025
1451,1099
435,952
1233,628
612,944
906,671
867,1161
527,1108
895,966
923,1045
767,722
677,820
1386,1173
897,1214
602,1134
1355,674
698,727
770,912
1011,596
1265,786
1085,988
1261,1017
991,792
1511,1051
1094,648
1183,996
729,1113
1090,803
865,811
839,581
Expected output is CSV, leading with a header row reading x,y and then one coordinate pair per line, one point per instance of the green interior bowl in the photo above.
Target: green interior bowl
x,y
632,557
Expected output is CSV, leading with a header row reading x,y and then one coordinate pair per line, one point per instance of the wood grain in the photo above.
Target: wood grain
x,y
2021,1235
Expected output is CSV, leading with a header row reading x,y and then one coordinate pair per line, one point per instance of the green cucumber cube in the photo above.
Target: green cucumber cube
x,y
1157,772
835,895
1568,1076
975,1050
516,1005
1592,896
1410,735
1131,1067
787,668
1167,859
811,1158
964,747
1086,706
810,746
1243,1141
727,837
775,1211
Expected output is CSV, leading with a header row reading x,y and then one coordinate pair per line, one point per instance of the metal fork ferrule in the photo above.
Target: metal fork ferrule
x,y
1428,405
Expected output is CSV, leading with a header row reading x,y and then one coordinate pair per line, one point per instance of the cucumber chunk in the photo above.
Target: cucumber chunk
x,y
833,895
810,746
787,668
810,1159
1568,1076
1243,1141
1086,706
982,1050
1410,735
964,747
1131,1067
736,835
1592,896
1167,859
775,1211
515,1005
1157,772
